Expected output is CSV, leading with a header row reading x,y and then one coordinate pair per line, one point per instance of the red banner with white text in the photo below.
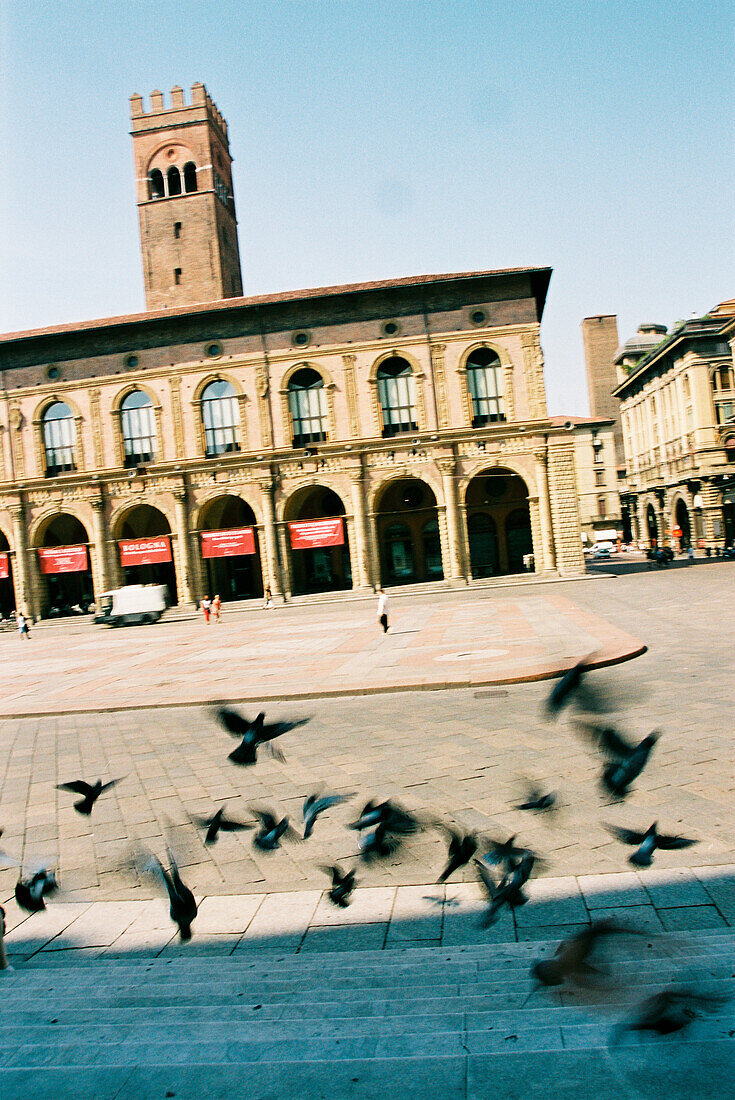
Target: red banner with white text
x,y
62,559
230,543
4,570
310,533
145,551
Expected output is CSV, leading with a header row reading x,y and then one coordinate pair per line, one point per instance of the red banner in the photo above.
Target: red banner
x,y
4,571
229,543
63,559
316,532
145,551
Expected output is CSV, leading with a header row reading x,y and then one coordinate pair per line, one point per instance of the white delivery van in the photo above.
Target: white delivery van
x,y
136,603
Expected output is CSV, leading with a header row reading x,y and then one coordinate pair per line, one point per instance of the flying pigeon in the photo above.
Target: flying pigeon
x,y
183,906
626,760
536,799
648,842
90,793
219,823
31,892
268,837
570,960
462,847
253,734
316,804
671,1010
342,885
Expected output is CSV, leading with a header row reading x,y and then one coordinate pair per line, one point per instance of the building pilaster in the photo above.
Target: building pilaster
x,y
448,471
270,564
548,560
361,571
183,548
101,572
24,600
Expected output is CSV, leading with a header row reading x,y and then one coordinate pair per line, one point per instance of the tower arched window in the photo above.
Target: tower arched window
x,y
155,184
138,424
308,404
221,418
190,177
59,437
397,396
485,383
173,178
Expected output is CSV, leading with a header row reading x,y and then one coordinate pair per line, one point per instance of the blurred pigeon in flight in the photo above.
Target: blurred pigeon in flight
x,y
90,793
648,842
573,685
343,884
509,890
219,823
571,958
462,847
268,837
183,906
316,804
31,892
503,851
536,799
388,814
671,1010
253,734
627,760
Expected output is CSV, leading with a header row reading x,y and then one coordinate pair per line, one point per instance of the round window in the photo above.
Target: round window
x,y
53,372
478,317
131,362
495,486
300,339
390,328
213,350
412,496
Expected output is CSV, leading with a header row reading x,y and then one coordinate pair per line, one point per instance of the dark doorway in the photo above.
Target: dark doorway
x,y
498,523
232,578
652,525
682,521
408,533
318,568
7,592
66,593
143,522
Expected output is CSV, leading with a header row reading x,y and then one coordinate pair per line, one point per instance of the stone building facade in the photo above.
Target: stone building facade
x,y
595,462
346,437
677,398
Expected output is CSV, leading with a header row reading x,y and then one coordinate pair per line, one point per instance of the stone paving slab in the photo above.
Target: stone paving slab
x,y
449,639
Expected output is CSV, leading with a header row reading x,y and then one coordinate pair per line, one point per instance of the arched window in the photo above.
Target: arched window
x,y
308,404
155,184
138,425
722,379
174,180
485,383
59,437
397,396
190,177
221,417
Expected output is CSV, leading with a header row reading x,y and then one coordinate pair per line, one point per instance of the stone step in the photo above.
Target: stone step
x,y
191,1049
633,1071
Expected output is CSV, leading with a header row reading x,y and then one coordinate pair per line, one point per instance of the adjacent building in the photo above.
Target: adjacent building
x,y
597,476
677,401
345,437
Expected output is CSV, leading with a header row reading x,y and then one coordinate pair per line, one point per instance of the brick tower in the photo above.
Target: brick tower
x,y
188,228
600,338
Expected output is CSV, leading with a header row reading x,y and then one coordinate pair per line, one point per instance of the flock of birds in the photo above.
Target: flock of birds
x,y
503,867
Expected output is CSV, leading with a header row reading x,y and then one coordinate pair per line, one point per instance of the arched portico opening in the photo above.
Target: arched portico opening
x,y
683,523
407,524
498,523
652,526
229,547
317,541
7,591
62,547
144,544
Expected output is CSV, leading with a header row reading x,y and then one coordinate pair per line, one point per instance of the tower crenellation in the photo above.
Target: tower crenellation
x,y
185,199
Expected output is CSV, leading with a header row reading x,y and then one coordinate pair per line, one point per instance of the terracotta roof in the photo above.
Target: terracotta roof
x,y
724,309
268,299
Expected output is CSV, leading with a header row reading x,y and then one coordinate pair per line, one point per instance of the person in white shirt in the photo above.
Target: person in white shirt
x,y
383,610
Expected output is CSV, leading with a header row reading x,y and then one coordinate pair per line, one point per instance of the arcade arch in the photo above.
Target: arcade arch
x,y
7,591
319,562
652,525
407,522
62,548
143,534
230,570
498,522
681,518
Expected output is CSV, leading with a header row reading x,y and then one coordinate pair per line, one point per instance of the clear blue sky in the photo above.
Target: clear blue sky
x,y
377,139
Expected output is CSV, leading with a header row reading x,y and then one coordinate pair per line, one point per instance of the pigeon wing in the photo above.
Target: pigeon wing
x,y
628,836
78,787
671,843
233,722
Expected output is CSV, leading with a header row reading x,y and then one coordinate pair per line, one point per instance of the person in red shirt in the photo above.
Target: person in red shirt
x,y
206,605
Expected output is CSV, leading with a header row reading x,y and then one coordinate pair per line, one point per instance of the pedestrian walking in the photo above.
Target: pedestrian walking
x,y
268,604
22,622
690,554
4,964
206,606
383,610
217,608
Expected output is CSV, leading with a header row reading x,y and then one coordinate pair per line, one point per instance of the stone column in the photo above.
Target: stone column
x,y
24,600
286,582
183,573
269,562
99,532
361,571
448,472
547,530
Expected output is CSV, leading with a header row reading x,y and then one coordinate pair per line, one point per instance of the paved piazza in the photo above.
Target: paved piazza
x,y
461,753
